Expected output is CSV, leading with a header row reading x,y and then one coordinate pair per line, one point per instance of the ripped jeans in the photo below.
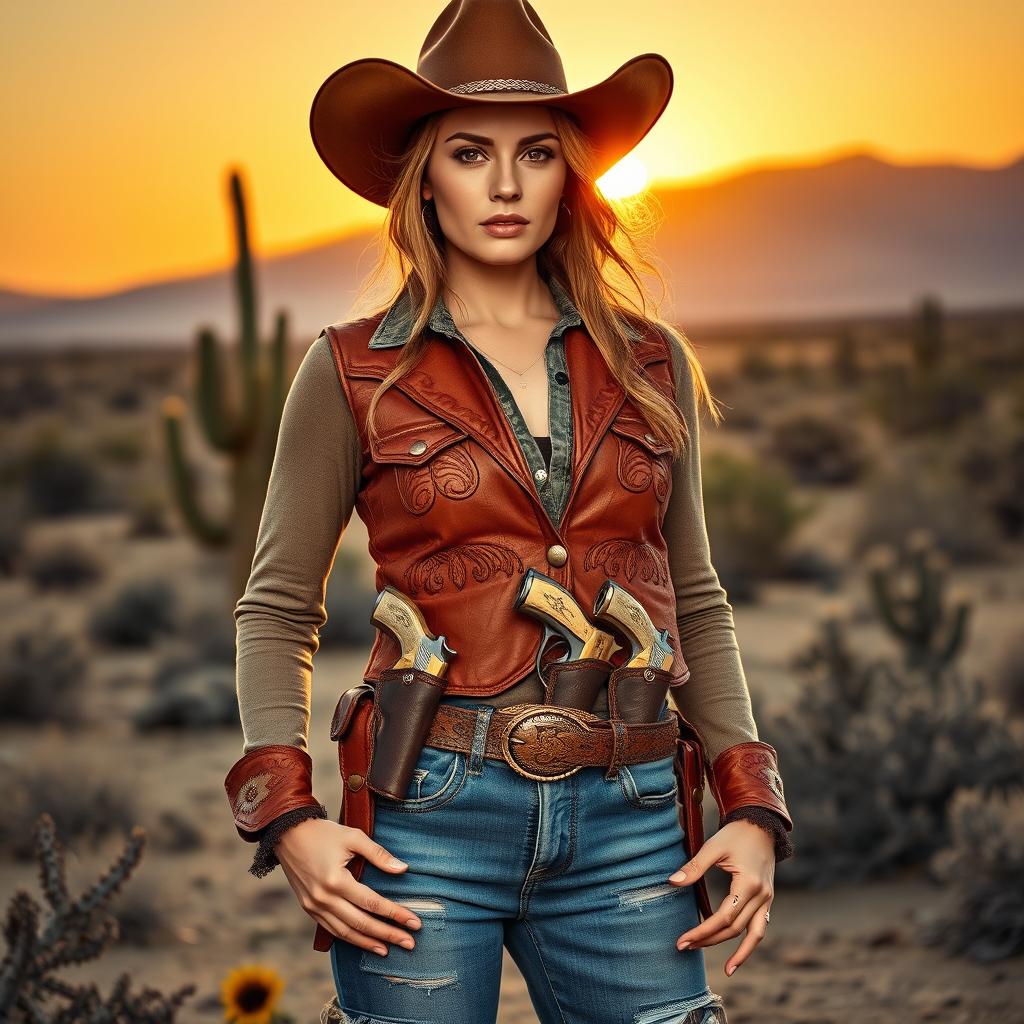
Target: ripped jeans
x,y
570,875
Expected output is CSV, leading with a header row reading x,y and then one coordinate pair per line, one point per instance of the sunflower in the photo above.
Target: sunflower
x,y
249,994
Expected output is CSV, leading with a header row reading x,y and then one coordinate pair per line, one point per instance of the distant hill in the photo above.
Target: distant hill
x,y
855,235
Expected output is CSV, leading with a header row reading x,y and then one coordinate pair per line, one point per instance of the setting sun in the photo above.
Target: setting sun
x,y
626,178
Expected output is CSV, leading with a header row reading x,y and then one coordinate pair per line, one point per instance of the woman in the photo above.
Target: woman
x,y
507,411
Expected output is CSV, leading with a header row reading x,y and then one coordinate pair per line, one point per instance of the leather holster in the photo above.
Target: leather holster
x,y
352,728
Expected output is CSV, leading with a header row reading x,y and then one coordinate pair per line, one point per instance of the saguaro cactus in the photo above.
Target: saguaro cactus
x,y
912,601
247,435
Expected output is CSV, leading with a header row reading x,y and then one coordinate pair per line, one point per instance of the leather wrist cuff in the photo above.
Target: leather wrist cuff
x,y
266,782
747,774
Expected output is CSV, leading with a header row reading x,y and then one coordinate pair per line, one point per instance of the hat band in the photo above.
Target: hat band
x,y
507,85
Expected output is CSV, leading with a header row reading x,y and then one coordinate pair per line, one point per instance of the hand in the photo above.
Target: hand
x,y
314,855
748,851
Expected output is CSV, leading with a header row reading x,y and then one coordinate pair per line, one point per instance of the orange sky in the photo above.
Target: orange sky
x,y
121,120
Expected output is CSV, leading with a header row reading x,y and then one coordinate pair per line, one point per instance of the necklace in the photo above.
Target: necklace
x,y
520,375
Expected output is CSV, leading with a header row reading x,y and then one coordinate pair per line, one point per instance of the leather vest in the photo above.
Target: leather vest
x,y
454,517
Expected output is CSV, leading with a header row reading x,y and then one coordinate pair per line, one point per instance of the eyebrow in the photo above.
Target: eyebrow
x,y
484,141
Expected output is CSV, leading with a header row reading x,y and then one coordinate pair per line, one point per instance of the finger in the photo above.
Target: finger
x,y
730,931
340,929
743,889
695,867
755,933
360,928
361,843
372,901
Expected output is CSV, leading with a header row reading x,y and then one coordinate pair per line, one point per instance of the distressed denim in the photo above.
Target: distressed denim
x,y
569,875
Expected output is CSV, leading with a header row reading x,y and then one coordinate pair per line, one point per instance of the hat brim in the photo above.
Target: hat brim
x,y
362,114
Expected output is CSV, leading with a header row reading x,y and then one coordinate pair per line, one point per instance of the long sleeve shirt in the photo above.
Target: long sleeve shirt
x,y
311,495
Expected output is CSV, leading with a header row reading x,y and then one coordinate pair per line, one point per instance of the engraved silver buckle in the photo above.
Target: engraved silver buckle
x,y
533,742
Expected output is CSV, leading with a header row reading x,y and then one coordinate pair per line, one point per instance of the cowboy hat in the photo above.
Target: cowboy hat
x,y
477,51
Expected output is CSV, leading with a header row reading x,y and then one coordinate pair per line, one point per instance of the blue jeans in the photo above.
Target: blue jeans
x,y
570,875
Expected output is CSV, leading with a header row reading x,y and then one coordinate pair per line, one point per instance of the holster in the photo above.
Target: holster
x,y
404,704
575,684
352,728
689,766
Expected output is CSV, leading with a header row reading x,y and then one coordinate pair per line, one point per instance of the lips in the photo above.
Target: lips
x,y
505,218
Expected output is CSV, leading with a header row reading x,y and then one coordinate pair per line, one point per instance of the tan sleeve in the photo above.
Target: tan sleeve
x,y
715,699
310,497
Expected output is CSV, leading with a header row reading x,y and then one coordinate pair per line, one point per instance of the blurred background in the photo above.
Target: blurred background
x,y
842,230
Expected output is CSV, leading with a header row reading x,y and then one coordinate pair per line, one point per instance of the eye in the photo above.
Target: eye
x,y
540,149
465,149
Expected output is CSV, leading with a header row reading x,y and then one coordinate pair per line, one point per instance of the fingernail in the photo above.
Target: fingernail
x,y
396,863
683,945
381,950
731,970
413,923
407,942
677,876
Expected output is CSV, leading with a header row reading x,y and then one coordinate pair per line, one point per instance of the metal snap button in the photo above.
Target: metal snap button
x,y
648,674
557,555
540,476
355,781
417,447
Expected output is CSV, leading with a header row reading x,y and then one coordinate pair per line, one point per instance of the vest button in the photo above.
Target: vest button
x,y
540,476
417,447
557,555
355,781
562,377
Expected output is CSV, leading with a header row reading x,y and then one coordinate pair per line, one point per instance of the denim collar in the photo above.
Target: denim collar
x,y
394,329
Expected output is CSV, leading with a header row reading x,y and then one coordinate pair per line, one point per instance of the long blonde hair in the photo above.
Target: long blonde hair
x,y
587,256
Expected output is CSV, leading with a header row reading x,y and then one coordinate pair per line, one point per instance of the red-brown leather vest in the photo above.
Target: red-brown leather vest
x,y
452,511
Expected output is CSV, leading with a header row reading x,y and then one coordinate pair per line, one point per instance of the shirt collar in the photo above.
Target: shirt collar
x,y
394,329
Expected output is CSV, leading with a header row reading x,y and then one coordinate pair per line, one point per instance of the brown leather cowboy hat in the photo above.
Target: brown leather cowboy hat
x,y
477,51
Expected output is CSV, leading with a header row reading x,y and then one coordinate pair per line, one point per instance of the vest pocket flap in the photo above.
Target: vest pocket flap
x,y
413,445
637,429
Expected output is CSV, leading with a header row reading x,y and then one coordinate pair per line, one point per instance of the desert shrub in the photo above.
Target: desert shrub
x,y
42,677
77,929
12,540
751,513
755,364
990,460
983,866
148,509
60,480
136,614
908,402
87,807
122,446
920,486
872,752
64,565
1008,681
127,398
201,697
816,449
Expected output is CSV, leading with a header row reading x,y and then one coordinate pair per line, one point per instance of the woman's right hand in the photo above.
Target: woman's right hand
x,y
314,855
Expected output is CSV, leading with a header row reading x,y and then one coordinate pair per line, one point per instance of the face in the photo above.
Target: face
x,y
496,160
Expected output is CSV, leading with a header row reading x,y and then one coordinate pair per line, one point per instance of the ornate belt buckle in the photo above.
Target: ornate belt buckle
x,y
533,742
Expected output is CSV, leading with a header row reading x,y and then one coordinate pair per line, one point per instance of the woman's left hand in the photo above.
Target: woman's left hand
x,y
748,852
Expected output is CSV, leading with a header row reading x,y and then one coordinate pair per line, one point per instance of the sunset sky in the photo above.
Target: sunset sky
x,y
121,120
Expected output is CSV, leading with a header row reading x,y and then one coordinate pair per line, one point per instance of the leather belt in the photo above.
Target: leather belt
x,y
548,741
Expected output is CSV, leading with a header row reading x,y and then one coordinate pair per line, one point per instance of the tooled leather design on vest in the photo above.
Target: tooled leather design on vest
x,y
486,560
453,472
601,403
425,384
624,557
637,470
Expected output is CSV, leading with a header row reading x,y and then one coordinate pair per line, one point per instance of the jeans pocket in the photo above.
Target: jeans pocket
x,y
436,779
649,784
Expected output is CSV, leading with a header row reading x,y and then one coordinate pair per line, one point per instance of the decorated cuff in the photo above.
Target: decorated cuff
x,y
265,859
264,783
771,822
747,775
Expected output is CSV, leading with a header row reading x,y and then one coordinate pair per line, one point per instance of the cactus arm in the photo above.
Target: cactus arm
x,y
203,528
